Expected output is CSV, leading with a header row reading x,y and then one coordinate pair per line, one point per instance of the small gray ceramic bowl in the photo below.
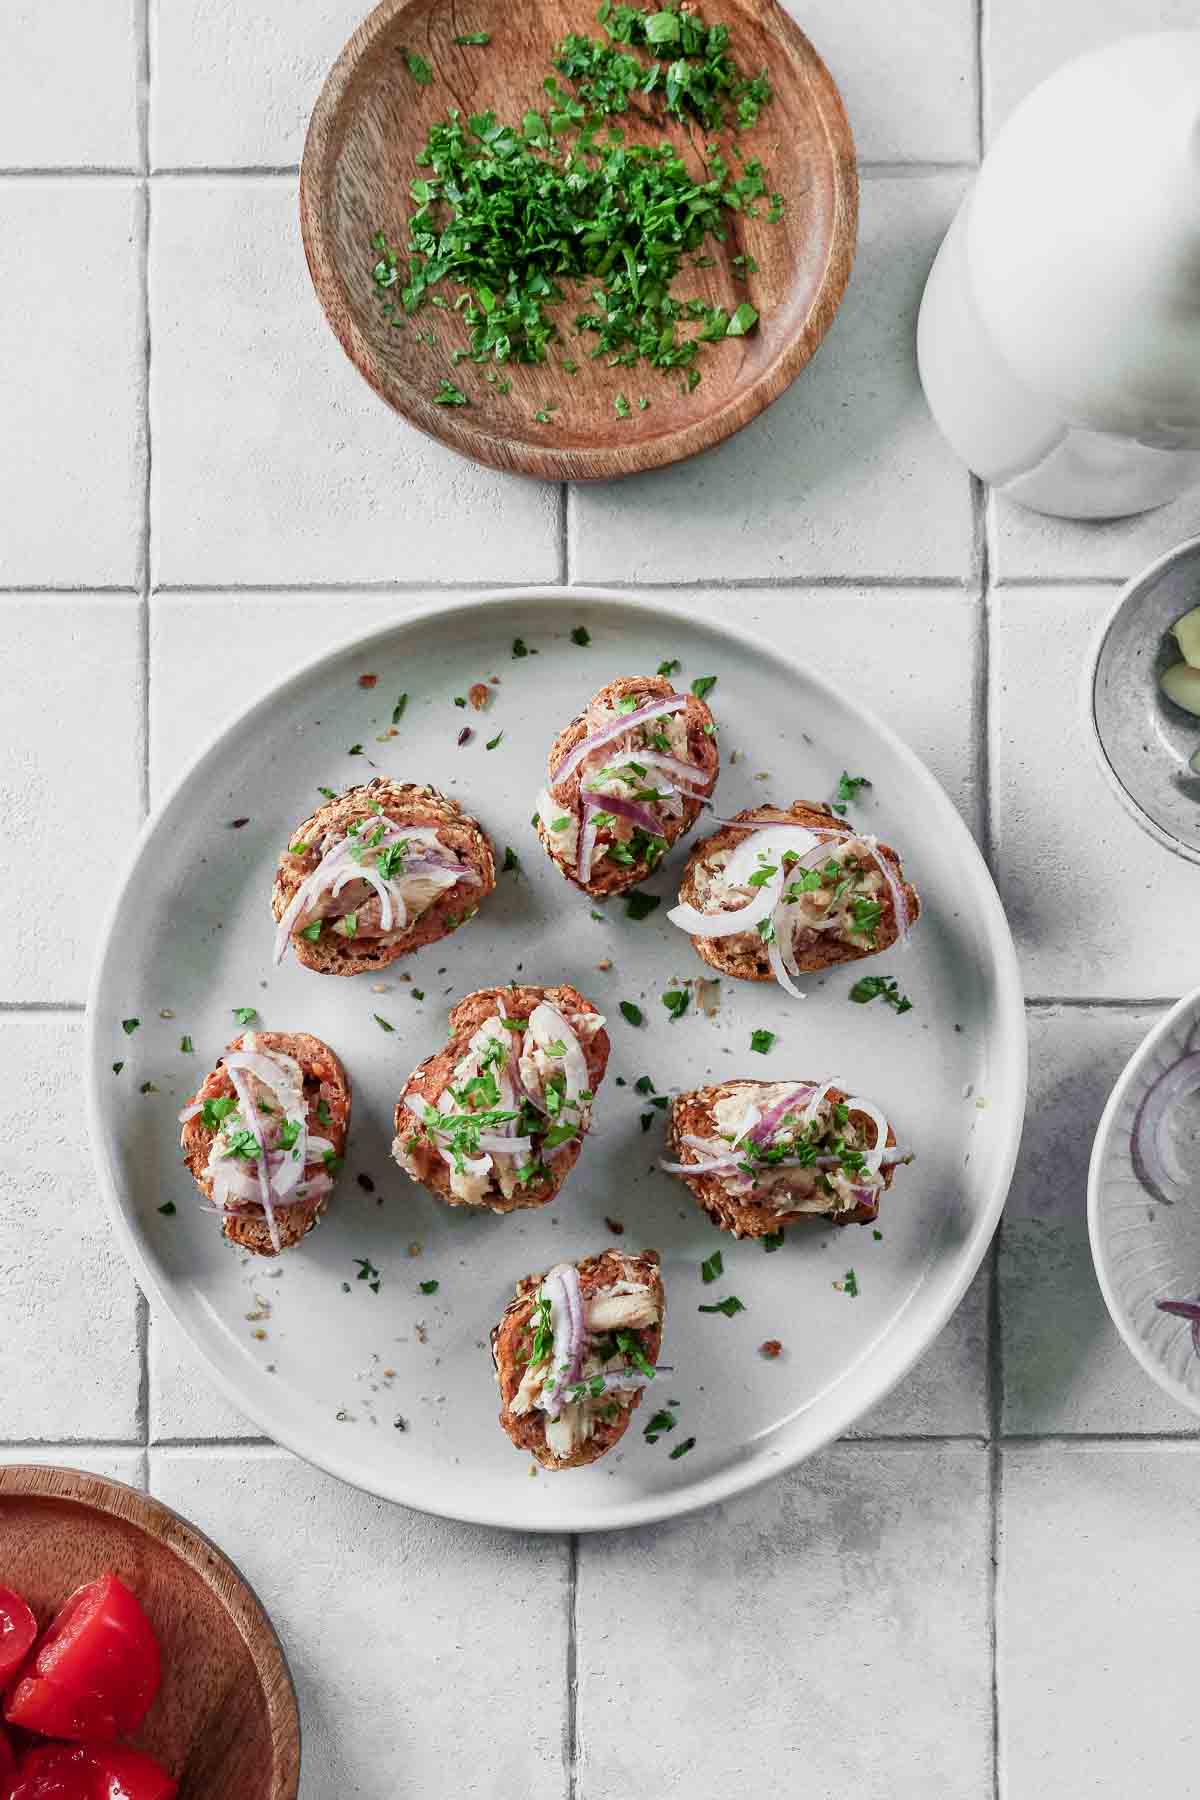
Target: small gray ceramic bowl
x,y
1143,740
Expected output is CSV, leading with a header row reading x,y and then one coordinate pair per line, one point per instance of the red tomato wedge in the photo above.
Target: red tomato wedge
x,y
8,1763
18,1628
55,1772
89,1772
124,1774
95,1670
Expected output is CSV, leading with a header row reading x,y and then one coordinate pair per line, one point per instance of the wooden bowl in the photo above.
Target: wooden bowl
x,y
225,1721
372,118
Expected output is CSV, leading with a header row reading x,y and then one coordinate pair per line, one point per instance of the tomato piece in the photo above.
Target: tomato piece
x,y
125,1774
8,1762
55,1772
18,1628
95,1670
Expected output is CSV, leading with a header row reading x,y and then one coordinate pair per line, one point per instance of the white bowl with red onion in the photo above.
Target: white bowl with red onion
x,y
1144,1203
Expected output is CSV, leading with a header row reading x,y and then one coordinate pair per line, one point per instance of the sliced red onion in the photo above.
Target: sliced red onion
x,y
1184,1309
631,810
729,924
760,822
561,1288
618,1379
895,888
814,1105
495,1145
549,1020
775,958
764,1131
587,844
618,729
389,901
874,1156
249,1112
692,781
1154,1161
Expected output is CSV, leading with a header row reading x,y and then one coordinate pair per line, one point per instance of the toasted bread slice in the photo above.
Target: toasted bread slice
x,y
406,804
419,1156
744,954
757,1212
697,745
596,1425
327,1099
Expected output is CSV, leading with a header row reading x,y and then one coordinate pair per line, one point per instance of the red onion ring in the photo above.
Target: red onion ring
x,y
1149,1146
249,1111
1184,1309
610,733
691,780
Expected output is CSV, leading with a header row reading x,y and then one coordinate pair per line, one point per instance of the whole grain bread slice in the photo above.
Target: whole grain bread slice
x,y
744,954
419,1158
326,1085
512,1341
692,1115
608,877
405,803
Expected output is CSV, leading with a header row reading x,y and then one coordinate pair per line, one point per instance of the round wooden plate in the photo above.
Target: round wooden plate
x,y
225,1721
371,120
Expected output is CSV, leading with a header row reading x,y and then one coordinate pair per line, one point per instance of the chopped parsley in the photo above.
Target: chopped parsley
x,y
773,1241
449,395
639,905
676,1001
429,1287
849,1284
368,1272
662,1421
473,37
167,1209
520,647
682,1449
417,67
511,865
245,1015
186,1047
382,1022
355,750
729,1306
492,742
712,1267
633,1014
703,684
743,320
621,406
312,932
117,1067
762,1041
880,987
398,709
581,636
847,792
669,667
324,1116
129,1026
329,793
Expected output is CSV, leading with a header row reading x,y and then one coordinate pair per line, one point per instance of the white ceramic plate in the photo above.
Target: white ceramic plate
x,y
192,933
1144,1251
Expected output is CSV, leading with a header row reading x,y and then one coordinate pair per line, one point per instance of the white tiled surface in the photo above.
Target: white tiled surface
x,y
832,1633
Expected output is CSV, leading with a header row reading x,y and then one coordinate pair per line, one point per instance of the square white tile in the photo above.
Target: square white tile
x,y
69,85
234,85
72,451
185,1401
70,761
69,1365
1029,546
910,91
114,1463
1064,1367
429,1657
1095,1627
825,1635
1098,909
273,460
846,475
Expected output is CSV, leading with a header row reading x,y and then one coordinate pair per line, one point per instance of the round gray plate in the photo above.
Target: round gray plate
x,y
191,932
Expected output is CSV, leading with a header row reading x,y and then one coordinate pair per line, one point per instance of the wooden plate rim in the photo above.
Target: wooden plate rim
x,y
39,1481
601,462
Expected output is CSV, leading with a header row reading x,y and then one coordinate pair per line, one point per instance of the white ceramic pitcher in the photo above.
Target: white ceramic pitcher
x,y
1059,336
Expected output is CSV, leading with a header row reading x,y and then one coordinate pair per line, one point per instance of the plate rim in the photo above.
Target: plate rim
x,y
552,462
862,1382
1090,680
153,1518
1128,1077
